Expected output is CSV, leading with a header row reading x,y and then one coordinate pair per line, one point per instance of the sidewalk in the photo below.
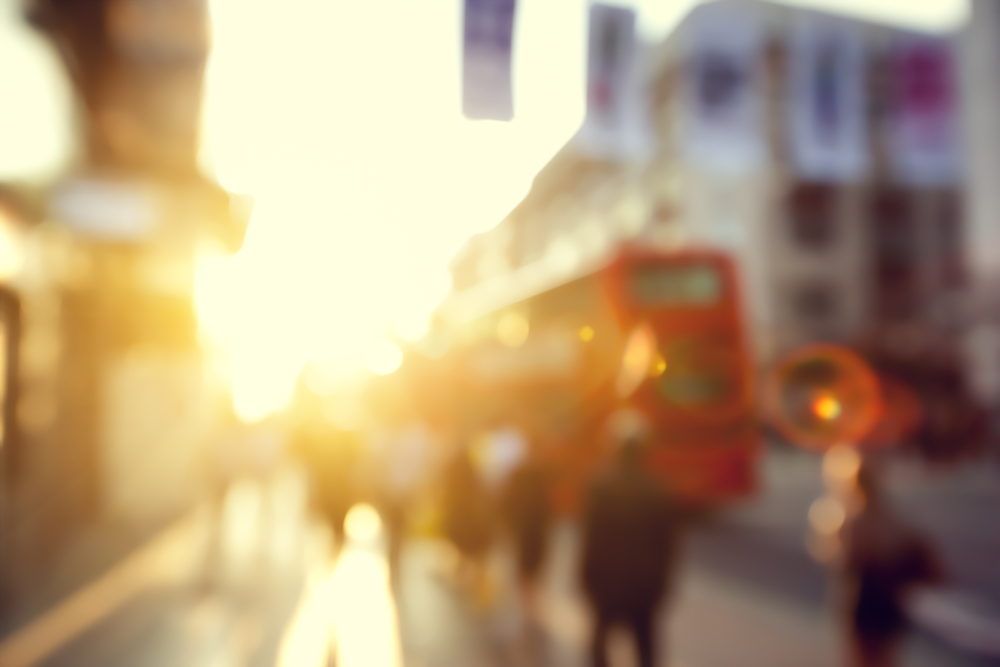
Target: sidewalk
x,y
168,604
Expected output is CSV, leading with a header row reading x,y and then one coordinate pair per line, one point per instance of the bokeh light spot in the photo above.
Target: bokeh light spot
x,y
827,515
362,523
512,330
384,358
841,465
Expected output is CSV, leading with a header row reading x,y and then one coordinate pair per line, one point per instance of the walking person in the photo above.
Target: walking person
x,y
469,519
527,510
402,459
883,560
331,459
628,537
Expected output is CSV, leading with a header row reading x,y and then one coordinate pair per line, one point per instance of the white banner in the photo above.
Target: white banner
x,y
112,210
827,105
923,127
486,63
723,115
615,126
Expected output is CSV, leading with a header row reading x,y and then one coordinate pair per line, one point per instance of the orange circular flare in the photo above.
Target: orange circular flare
x,y
822,395
902,414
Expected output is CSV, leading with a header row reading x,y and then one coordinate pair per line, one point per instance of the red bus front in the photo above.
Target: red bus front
x,y
698,392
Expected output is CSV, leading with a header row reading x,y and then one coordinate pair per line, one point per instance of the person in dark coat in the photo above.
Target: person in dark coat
x,y
469,521
528,514
628,534
883,560
527,511
331,459
468,508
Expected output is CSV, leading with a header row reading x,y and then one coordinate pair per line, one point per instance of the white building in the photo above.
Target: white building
x,y
824,254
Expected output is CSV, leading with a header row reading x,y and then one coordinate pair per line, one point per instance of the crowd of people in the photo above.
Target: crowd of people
x,y
497,488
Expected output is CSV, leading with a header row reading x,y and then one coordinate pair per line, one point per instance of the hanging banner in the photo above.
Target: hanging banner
x,y
486,65
826,100
922,130
723,114
615,126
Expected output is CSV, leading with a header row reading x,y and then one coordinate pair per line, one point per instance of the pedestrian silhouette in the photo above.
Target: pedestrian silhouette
x,y
331,459
401,464
883,561
628,534
528,513
469,520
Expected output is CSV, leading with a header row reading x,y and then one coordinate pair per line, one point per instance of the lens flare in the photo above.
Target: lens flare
x,y
827,408
659,366
636,360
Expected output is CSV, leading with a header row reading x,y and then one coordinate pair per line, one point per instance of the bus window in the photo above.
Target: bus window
x,y
697,373
686,285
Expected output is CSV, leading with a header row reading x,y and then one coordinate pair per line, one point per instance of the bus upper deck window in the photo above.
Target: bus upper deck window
x,y
689,285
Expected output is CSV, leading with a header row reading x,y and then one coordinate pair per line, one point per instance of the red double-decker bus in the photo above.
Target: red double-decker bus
x,y
660,332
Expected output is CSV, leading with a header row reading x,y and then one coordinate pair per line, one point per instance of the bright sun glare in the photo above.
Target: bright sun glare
x,y
346,129
342,120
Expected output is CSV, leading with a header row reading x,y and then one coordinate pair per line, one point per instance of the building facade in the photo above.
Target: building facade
x,y
110,410
822,257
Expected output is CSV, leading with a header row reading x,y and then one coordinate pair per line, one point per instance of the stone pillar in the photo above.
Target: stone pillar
x,y
980,87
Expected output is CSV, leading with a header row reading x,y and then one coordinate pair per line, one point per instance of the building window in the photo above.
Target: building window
x,y
812,214
948,241
815,302
896,253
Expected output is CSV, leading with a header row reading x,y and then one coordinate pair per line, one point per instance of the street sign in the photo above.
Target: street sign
x,y
486,64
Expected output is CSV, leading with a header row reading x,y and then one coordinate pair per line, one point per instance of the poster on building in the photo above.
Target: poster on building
x,y
615,126
922,122
486,60
827,105
723,106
